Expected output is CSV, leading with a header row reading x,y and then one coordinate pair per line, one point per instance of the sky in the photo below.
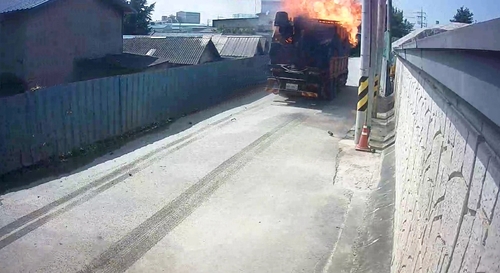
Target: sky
x,y
437,10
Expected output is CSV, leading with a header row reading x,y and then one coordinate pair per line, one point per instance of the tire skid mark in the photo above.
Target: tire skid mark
x,y
39,217
130,248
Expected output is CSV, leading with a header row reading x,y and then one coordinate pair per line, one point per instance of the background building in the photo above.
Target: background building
x,y
260,23
270,6
188,17
243,15
42,40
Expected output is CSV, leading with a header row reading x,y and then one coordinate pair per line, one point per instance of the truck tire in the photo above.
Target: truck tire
x,y
343,80
329,91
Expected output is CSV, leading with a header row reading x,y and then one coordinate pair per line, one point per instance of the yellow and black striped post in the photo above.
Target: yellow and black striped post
x,y
376,88
363,94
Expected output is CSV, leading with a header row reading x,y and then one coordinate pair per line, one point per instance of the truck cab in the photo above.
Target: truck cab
x,y
309,57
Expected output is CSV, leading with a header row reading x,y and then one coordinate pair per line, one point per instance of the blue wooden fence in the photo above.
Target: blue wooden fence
x,y
54,121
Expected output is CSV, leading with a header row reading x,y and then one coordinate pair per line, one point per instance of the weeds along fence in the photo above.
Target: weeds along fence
x,y
49,122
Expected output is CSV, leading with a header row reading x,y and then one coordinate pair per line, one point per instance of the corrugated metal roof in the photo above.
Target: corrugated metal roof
x,y
7,6
242,47
14,5
219,42
177,50
133,61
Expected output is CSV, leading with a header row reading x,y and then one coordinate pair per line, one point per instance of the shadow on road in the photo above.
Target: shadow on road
x,y
347,98
337,115
113,148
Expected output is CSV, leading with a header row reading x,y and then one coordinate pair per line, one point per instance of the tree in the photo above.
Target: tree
x,y
463,15
400,26
138,23
173,19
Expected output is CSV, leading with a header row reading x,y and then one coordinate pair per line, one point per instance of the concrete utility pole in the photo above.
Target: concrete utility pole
x,y
362,105
386,58
379,52
373,62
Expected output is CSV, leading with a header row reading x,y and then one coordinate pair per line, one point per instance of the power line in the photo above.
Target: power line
x,y
418,18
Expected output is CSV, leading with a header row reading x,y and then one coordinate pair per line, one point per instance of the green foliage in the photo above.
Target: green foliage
x,y
399,25
463,15
138,23
174,19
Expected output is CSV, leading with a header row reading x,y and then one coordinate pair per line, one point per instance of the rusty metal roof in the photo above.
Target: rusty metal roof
x,y
177,50
7,6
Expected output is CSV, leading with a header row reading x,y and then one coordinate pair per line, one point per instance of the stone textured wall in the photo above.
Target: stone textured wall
x,y
447,216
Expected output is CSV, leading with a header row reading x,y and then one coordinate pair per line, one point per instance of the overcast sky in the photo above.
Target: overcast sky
x,y
437,10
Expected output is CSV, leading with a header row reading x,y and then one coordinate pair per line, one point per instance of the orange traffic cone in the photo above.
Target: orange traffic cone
x,y
363,141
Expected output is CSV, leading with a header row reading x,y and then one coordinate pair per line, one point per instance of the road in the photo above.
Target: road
x,y
247,186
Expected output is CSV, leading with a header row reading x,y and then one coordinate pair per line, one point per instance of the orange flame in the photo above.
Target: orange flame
x,y
346,12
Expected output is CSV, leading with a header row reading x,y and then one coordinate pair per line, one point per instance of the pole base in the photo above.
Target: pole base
x,y
368,150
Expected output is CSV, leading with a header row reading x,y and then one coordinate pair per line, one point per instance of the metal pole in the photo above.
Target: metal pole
x,y
373,55
362,104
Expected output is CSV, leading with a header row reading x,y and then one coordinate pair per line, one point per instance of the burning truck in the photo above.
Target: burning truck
x,y
309,57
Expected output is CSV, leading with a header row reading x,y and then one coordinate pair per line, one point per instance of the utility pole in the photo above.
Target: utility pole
x,y
421,17
386,58
379,48
363,96
373,62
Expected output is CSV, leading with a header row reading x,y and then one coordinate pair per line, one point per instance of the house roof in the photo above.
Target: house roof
x,y
177,50
239,46
8,6
133,61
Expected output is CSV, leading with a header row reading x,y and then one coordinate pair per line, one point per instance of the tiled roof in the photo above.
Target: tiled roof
x,y
7,6
177,50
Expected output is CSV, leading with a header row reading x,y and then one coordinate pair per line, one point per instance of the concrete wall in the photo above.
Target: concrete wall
x,y
52,36
12,45
447,216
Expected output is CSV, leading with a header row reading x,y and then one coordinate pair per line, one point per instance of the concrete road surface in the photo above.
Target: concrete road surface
x,y
254,185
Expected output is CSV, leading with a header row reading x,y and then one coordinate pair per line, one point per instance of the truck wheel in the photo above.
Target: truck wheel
x,y
343,80
329,90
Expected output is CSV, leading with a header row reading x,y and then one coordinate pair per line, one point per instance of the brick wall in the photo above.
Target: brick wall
x,y
447,217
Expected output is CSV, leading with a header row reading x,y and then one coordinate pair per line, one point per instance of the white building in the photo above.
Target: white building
x,y
244,15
